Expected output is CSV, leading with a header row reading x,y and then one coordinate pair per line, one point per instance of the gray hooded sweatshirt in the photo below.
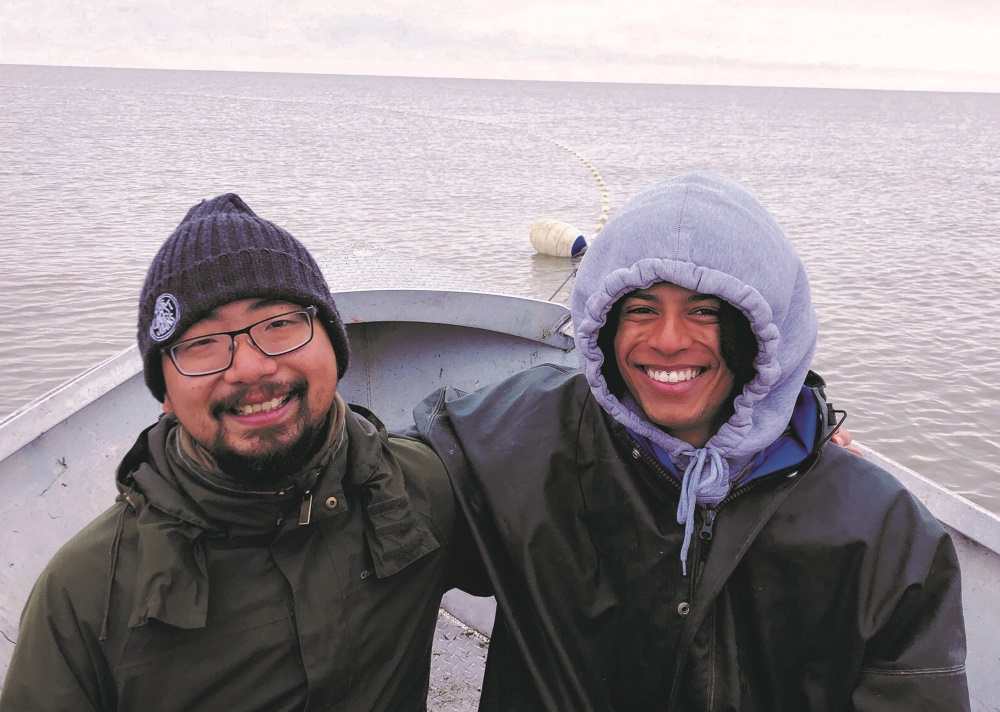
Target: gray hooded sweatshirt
x,y
707,234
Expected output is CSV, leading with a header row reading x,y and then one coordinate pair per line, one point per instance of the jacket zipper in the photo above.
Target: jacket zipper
x,y
305,509
708,512
707,520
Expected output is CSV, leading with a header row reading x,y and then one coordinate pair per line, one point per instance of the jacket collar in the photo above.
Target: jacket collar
x,y
172,575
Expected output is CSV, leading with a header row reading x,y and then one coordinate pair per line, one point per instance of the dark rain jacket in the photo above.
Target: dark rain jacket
x,y
336,614
824,587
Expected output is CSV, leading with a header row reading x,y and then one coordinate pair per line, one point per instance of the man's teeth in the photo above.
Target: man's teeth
x,y
262,407
685,374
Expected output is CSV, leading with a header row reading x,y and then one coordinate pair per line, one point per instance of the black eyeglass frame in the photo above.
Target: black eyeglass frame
x,y
309,311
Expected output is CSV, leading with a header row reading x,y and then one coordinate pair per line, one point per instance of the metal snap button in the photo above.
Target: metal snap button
x,y
331,502
684,608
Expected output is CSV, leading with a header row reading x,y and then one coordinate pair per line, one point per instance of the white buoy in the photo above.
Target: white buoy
x,y
556,238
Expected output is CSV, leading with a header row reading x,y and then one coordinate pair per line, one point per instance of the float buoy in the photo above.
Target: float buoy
x,y
556,238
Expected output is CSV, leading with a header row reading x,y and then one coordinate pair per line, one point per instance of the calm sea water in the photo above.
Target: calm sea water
x,y
892,198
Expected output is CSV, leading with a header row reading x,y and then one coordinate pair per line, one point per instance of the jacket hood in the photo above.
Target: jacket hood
x,y
707,234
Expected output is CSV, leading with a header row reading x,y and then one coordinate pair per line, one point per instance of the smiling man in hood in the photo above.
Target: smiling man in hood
x,y
272,548
668,529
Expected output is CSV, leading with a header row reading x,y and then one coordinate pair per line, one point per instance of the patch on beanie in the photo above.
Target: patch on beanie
x,y
166,314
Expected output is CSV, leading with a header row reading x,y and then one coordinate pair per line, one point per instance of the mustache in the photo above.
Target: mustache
x,y
265,391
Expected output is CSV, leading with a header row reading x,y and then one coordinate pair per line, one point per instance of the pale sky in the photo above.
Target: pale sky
x,y
944,45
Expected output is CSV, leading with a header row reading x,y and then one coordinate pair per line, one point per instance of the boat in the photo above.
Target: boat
x,y
411,330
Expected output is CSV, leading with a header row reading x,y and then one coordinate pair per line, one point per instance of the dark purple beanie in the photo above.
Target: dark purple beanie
x,y
220,253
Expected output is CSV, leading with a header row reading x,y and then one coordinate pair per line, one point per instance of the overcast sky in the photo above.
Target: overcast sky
x,y
949,45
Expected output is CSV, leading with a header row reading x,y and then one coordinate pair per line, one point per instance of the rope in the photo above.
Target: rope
x,y
598,178
591,168
559,289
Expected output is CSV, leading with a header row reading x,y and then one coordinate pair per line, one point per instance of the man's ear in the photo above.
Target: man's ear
x,y
168,407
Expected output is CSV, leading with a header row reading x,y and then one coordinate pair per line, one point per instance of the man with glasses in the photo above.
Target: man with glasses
x,y
271,548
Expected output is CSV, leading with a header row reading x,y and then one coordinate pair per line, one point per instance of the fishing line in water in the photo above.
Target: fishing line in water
x,y
559,288
562,249
548,236
598,178
587,164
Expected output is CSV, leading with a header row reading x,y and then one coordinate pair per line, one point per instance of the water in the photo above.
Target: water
x,y
892,198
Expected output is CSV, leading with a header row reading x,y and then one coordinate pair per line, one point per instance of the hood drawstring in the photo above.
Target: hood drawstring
x,y
115,546
700,485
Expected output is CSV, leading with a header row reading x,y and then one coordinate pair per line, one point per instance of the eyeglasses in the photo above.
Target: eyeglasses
x,y
213,353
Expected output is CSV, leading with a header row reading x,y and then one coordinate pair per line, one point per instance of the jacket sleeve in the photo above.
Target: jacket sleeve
x,y
55,661
59,663
432,425
915,658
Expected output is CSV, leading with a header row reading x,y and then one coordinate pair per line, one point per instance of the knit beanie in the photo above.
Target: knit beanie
x,y
223,252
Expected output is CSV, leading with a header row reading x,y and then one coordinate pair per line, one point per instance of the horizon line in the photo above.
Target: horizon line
x,y
504,79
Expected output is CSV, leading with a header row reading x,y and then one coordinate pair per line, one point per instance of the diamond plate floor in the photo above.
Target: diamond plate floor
x,y
457,665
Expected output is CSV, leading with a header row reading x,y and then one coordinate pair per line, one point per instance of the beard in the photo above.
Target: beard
x,y
270,461
274,466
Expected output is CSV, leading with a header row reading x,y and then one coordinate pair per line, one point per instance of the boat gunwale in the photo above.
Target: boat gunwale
x,y
539,320
34,419
950,508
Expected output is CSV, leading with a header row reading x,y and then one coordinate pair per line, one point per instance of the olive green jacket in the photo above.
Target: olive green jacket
x,y
229,601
